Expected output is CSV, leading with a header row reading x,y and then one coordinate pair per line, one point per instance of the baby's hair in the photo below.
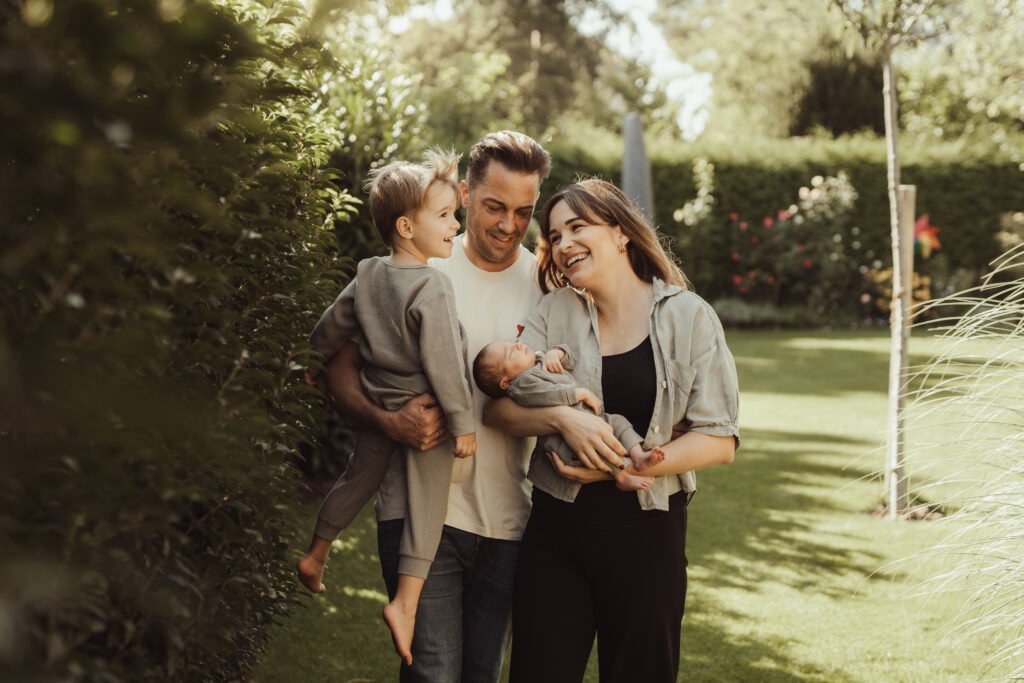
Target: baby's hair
x,y
399,188
487,374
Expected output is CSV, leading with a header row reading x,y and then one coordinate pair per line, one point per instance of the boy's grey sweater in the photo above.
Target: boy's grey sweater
x,y
403,318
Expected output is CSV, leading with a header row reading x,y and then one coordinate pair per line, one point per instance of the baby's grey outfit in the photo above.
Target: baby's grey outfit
x,y
411,342
535,387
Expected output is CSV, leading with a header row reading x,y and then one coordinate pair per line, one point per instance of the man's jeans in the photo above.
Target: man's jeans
x,y
464,615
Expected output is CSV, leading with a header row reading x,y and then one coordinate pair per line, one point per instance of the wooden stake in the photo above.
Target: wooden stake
x,y
902,289
895,479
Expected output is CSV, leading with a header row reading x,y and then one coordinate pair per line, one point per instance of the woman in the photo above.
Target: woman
x,y
596,560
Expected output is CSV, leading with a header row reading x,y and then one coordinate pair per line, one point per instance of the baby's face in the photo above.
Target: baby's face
x,y
515,357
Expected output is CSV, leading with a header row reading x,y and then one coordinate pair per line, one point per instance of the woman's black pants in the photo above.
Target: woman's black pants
x,y
602,566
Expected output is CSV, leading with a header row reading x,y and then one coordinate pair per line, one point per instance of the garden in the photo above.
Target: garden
x,y
181,195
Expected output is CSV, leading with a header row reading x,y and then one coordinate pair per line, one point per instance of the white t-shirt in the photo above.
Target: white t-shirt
x,y
489,493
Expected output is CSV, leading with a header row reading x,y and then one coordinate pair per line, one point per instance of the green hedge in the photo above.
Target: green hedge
x,y
166,242
964,190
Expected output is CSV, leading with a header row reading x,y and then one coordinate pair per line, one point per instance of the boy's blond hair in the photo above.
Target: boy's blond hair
x,y
400,187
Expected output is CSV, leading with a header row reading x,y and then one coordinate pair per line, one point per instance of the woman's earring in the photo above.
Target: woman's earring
x,y
622,247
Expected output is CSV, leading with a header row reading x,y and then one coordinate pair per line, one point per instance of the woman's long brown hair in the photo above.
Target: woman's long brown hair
x,y
600,202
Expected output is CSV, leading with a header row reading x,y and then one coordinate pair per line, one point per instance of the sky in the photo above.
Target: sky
x,y
681,81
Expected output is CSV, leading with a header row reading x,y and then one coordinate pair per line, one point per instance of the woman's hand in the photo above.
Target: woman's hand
x,y
591,439
583,475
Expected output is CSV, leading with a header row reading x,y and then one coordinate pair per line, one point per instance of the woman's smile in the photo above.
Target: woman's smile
x,y
574,262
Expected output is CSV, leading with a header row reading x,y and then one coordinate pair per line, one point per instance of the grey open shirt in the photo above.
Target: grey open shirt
x,y
696,376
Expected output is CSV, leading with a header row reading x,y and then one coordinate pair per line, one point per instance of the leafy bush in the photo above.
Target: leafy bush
x,y
806,253
965,189
167,241
746,314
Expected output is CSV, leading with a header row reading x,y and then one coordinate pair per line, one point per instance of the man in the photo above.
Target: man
x,y
462,624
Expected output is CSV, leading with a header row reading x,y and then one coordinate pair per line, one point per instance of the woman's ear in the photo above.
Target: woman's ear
x,y
620,239
403,226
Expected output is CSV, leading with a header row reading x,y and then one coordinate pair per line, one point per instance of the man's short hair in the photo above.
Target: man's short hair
x,y
487,373
400,187
513,150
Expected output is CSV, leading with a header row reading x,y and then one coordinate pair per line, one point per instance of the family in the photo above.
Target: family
x,y
454,350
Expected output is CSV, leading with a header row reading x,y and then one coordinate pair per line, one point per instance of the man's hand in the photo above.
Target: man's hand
x,y
553,360
589,399
591,439
419,423
465,445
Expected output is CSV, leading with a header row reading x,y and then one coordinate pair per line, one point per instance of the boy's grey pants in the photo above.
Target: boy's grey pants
x,y
428,474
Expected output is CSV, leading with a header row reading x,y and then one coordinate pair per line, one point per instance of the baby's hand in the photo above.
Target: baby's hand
x,y
553,360
465,445
589,399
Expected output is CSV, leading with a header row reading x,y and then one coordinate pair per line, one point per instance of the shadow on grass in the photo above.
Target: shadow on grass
x,y
786,480
337,635
759,522
709,654
790,366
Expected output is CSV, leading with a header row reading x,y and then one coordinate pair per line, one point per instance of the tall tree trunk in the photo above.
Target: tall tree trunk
x,y
896,484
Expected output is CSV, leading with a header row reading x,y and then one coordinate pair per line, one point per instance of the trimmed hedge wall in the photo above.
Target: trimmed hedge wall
x,y
166,242
964,191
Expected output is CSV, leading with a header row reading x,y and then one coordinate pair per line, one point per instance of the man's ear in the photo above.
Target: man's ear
x,y
505,381
403,226
464,193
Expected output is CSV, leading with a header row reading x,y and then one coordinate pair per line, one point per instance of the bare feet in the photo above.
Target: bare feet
x,y
625,481
402,623
645,459
311,572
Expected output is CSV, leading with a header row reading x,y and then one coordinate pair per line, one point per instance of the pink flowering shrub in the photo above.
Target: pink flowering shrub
x,y
806,254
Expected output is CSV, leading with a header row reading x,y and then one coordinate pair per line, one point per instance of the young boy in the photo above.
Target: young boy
x,y
536,378
402,314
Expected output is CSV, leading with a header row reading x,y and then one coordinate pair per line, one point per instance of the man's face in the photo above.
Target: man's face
x,y
498,212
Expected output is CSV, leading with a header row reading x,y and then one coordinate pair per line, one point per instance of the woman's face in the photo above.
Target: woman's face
x,y
582,250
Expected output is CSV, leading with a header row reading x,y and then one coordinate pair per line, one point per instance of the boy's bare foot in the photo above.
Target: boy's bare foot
x,y
625,481
402,624
311,572
646,459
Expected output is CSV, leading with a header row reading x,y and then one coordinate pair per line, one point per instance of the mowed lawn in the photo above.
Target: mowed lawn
x,y
791,578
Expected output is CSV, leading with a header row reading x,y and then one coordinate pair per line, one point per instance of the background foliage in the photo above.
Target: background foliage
x,y
965,189
180,199
167,241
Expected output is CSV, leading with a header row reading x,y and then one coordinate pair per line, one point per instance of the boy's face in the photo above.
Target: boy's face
x,y
514,358
498,212
434,225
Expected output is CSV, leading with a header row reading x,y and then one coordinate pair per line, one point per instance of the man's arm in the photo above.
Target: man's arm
x,y
419,423
590,437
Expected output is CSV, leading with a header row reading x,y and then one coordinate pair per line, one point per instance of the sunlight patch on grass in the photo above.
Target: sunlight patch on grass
x,y
366,594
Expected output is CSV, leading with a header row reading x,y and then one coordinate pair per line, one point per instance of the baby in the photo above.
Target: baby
x,y
534,378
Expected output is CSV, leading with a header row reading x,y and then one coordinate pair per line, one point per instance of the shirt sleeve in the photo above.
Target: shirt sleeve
x,y
338,323
443,355
713,405
537,388
624,431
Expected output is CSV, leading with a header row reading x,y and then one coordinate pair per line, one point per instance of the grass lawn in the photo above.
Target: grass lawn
x,y
790,578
